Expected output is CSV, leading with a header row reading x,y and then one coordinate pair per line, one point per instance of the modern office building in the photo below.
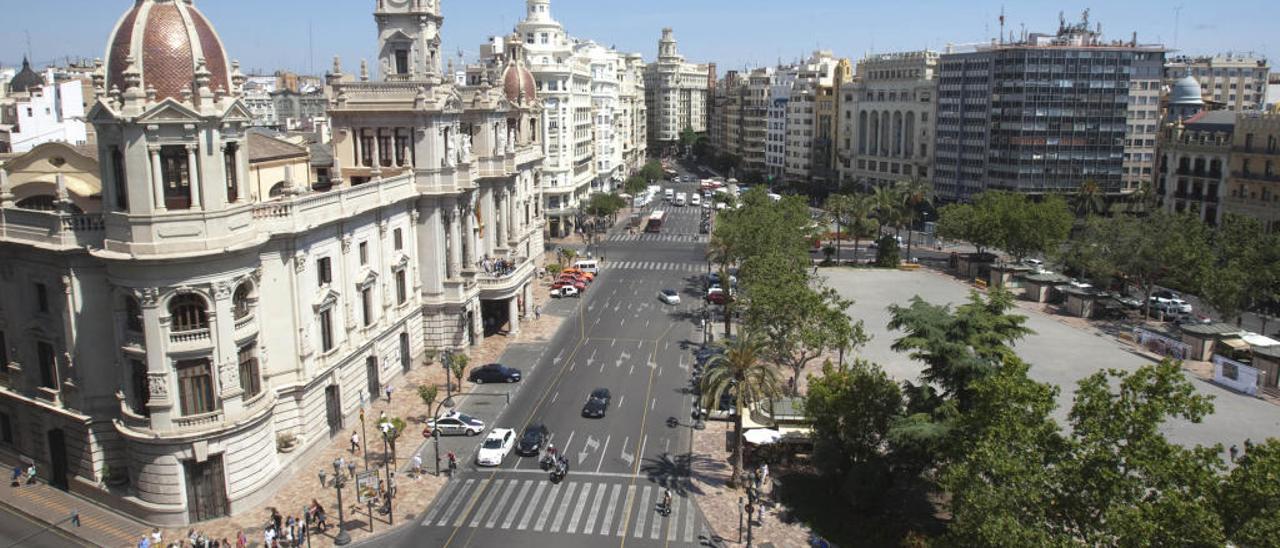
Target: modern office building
x,y
1047,113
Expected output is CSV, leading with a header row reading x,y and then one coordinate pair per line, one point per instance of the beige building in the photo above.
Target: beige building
x,y
677,93
1194,155
1254,185
1234,81
633,114
889,113
156,347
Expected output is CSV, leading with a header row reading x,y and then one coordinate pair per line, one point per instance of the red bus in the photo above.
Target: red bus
x,y
655,222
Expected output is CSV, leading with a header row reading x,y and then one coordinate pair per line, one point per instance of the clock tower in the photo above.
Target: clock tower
x,y
409,39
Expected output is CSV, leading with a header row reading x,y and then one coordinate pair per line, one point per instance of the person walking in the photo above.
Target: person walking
x,y
317,513
416,463
537,312
1235,452
355,442
388,391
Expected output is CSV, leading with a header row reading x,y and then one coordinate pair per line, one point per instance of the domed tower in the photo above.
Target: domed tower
x,y
1186,99
26,79
667,46
409,39
517,79
539,11
170,131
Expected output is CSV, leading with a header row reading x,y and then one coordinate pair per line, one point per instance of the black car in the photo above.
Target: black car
x,y
534,439
494,372
597,403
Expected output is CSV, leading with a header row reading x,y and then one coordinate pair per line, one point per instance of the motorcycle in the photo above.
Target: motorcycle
x,y
547,461
560,471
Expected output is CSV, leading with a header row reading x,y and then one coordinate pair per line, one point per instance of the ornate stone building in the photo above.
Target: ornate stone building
x,y
156,352
678,93
889,114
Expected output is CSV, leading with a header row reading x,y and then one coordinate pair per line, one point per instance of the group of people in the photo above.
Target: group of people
x,y
291,531
23,473
1234,451
497,267
194,539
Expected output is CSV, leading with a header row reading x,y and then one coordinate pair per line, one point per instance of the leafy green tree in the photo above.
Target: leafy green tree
x,y
635,184
1243,266
964,222
741,374
428,393
852,409
688,137
458,366
839,207
652,171
1160,249
1088,200
1250,497
888,255
1085,255
1009,221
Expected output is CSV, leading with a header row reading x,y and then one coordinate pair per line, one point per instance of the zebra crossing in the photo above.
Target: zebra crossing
x,y
646,237
655,265
595,508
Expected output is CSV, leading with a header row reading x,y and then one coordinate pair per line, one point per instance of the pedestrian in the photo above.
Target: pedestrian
x,y
537,312
355,442
276,518
388,391
382,415
145,542
31,474
155,536
764,472
242,541
1235,452
268,537
416,462
17,476
317,513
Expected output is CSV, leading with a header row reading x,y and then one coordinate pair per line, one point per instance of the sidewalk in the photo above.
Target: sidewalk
x,y
42,503
413,494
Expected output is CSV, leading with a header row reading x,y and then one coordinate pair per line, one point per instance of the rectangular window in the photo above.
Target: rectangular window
x,y
42,297
384,150
177,177
397,238
402,289
364,253
250,378
366,305
195,387
326,330
324,274
141,390
229,169
366,150
48,365
118,176
402,61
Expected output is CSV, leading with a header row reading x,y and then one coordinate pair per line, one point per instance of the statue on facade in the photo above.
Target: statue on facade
x,y
500,144
448,148
466,148
511,140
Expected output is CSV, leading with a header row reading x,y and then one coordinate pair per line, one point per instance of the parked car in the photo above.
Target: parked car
x,y
496,447
1169,302
669,296
564,290
533,441
574,281
597,403
454,423
716,295
494,372
586,276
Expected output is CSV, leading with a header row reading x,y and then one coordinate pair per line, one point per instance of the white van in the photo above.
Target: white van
x,y
669,194
587,265
695,201
681,199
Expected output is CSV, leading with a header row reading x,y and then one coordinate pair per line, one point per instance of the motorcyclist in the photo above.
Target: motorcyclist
x,y
666,500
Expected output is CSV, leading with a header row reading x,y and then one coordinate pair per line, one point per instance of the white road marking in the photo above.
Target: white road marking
x,y
454,505
582,505
673,521
528,513
608,512
622,522
564,508
502,502
449,489
621,399
688,520
554,397
643,443
653,404
565,450
515,505
590,525
488,501
542,518
603,452
643,514
667,448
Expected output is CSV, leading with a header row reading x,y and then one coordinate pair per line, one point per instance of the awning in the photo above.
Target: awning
x,y
762,436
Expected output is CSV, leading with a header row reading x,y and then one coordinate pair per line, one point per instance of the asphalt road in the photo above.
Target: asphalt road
x,y
619,336
15,528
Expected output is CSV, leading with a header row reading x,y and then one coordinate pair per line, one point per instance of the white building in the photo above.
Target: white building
x,y
44,109
606,68
813,77
633,115
175,334
1236,81
775,147
890,114
678,93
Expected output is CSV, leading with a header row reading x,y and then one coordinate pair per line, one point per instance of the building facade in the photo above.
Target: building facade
x,y
677,93
42,108
1236,82
1194,156
176,334
1045,114
1254,184
633,114
889,112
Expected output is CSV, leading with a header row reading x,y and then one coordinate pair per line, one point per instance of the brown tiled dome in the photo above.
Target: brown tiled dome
x,y
519,84
166,39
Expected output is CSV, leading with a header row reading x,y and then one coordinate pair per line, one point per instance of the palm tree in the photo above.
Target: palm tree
x,y
742,374
915,193
861,209
721,251
838,208
886,205
1088,199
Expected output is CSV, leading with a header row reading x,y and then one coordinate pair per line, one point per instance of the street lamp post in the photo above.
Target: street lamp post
x,y
448,377
342,538
364,436
388,433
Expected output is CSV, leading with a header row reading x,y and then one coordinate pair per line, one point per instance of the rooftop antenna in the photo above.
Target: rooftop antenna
x,y
1002,23
28,43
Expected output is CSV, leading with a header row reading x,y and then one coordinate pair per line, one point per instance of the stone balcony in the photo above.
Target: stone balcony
x,y
52,229
505,284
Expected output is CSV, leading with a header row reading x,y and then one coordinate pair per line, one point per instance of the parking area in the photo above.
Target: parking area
x,y
1058,353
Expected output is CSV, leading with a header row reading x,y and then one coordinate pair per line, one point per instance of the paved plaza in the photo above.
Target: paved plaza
x,y
1059,353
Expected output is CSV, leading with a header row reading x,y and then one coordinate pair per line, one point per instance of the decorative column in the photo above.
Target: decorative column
x,y
155,336
343,283
377,154
454,235
513,314
469,236
222,327
193,173
242,177
157,177
6,191
512,231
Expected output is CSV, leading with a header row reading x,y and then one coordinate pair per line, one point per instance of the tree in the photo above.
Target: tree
x,y
888,206
652,171
1160,249
1009,221
888,254
635,184
861,223
852,409
1088,200
916,193
840,208
1250,497
964,222
428,393
459,366
688,137
740,374
1243,266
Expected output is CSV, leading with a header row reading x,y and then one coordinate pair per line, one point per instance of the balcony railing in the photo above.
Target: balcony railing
x,y
308,210
52,228
195,422
1254,176
195,335
244,323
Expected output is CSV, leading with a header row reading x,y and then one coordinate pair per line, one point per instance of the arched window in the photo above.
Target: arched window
x,y
187,312
132,314
277,190
240,300
41,202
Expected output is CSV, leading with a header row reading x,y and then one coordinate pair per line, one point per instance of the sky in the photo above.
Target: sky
x,y
305,35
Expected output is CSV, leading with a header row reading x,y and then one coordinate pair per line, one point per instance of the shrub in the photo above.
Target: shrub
x,y
887,254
